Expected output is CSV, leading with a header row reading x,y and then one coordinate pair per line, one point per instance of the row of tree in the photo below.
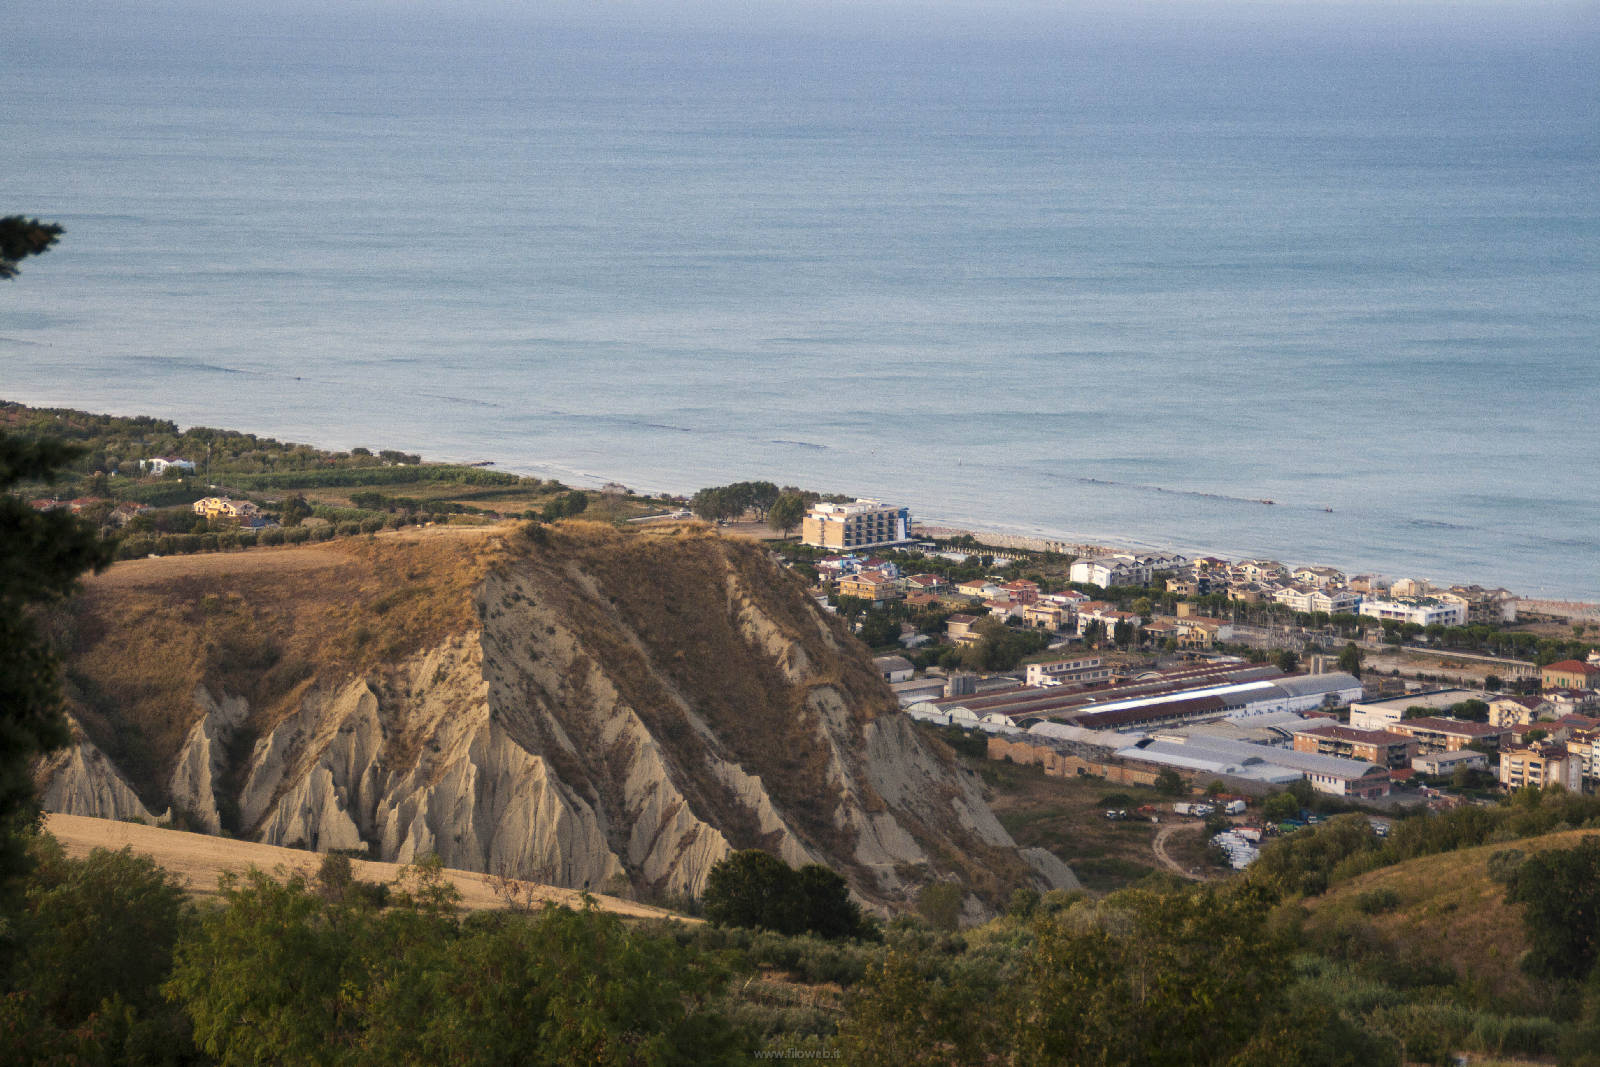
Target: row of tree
x,y
720,502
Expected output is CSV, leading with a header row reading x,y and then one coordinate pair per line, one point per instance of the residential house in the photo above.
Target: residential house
x,y
1260,570
1487,606
1200,631
1541,763
932,584
1437,763
1123,568
1438,734
1422,610
1570,674
1313,598
1318,577
1159,631
1515,711
1003,607
1022,591
127,511
872,586
159,465
1411,587
1550,730
1560,702
1583,741
220,507
961,629
1046,616
1374,746
985,588
1105,614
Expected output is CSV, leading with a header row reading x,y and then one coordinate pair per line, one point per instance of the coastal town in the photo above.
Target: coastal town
x,y
1133,725
1241,677
1147,669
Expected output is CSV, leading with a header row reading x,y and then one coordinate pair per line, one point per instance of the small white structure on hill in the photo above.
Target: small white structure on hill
x,y
161,464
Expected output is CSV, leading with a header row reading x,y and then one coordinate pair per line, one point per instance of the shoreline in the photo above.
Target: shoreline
x,y
995,534
1572,610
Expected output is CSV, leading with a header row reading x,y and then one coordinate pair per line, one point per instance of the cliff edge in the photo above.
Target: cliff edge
x,y
582,707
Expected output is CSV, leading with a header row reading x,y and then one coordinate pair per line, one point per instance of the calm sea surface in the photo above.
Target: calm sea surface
x,y
1109,283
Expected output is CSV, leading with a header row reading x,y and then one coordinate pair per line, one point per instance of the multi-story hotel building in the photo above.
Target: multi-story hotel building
x,y
864,524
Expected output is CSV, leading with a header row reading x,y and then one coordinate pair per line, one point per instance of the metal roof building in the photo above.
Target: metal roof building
x,y
1327,774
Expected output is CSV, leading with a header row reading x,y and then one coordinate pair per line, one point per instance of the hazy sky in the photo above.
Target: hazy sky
x,y
1533,19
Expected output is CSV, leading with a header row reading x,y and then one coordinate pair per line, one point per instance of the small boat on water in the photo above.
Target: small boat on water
x,y
1264,500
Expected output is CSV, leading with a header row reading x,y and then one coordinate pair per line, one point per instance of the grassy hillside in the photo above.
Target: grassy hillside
x,y
199,860
266,624
1442,909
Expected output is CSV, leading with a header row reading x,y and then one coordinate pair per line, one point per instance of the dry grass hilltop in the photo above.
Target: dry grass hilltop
x,y
577,706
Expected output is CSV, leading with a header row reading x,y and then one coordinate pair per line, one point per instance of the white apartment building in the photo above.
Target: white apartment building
x,y
1309,600
1082,669
1422,610
1383,714
1124,568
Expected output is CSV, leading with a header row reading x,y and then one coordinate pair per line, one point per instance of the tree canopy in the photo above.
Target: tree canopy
x,y
786,512
756,889
1560,894
281,973
21,237
42,555
718,502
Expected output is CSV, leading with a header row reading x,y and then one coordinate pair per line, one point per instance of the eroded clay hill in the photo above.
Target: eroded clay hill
x,y
598,709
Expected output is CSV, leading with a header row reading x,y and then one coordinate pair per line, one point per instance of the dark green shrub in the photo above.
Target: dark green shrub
x,y
1377,901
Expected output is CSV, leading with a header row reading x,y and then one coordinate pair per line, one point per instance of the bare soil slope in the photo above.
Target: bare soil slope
x,y
584,707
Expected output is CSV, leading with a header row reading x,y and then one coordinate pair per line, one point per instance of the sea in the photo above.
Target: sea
x,y
1316,281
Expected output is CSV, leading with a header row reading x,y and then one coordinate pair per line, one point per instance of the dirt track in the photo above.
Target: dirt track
x,y
1159,845
199,859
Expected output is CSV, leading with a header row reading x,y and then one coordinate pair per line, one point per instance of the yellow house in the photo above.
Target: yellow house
x,y
1513,711
220,507
870,585
1571,674
1541,763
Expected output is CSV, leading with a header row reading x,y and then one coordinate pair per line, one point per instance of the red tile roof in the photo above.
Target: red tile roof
x,y
1364,737
1453,726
